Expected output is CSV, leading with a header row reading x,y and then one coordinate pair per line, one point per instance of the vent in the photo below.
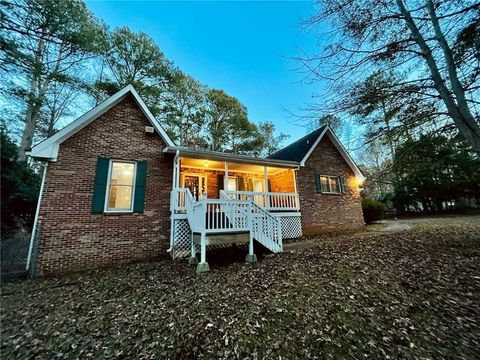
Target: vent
x,y
149,129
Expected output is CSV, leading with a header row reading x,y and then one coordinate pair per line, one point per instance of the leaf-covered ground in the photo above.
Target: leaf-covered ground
x,y
411,294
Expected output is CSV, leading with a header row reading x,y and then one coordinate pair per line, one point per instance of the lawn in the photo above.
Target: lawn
x,y
410,294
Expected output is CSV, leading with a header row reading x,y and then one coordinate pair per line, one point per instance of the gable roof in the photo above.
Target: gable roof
x,y
48,148
301,149
297,150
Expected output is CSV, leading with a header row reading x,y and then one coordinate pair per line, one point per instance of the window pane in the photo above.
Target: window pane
x,y
334,185
122,173
120,197
325,184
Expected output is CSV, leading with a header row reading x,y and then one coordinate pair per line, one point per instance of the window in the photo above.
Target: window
x,y
330,184
121,184
325,184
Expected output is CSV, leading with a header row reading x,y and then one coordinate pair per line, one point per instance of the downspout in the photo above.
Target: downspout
x,y
175,185
37,212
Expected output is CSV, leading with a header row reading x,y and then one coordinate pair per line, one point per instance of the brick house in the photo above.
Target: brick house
x,y
116,189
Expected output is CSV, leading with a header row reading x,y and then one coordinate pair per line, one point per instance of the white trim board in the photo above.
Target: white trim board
x,y
48,149
339,147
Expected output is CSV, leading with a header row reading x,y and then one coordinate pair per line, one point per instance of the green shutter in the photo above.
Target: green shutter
x,y
250,184
241,184
140,184
318,183
220,183
100,185
341,180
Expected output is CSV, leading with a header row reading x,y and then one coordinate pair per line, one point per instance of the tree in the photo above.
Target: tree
x,y
184,111
19,186
59,105
43,42
227,121
434,43
135,59
388,115
266,142
333,121
434,170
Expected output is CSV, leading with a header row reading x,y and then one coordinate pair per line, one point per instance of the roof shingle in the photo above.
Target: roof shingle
x,y
297,150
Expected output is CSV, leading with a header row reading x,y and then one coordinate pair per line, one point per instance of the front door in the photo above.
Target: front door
x,y
196,183
258,187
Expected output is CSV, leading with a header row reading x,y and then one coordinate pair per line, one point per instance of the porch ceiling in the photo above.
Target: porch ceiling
x,y
234,167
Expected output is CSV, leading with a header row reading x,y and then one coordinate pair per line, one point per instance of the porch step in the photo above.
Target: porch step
x,y
223,238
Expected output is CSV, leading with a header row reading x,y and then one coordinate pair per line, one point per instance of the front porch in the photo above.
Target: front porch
x,y
272,188
217,203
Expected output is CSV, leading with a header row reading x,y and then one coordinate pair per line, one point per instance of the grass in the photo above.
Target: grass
x,y
412,294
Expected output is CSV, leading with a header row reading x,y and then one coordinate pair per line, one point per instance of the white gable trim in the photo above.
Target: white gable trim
x,y
339,147
48,149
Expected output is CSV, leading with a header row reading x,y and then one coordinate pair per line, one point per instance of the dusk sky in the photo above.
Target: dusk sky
x,y
240,47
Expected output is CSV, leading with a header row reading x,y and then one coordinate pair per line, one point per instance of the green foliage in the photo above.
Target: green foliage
x,y
433,170
185,111
19,186
45,43
373,210
228,124
334,122
56,55
135,59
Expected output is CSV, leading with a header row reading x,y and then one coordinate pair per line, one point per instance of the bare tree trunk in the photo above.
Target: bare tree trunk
x,y
32,107
455,83
35,101
459,113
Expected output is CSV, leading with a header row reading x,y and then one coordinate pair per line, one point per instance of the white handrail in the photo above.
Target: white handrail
x,y
269,200
265,227
229,215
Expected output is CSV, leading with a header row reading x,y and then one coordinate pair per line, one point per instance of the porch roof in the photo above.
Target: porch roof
x,y
217,155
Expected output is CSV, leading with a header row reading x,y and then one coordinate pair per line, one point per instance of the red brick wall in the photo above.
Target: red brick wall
x,y
72,238
283,181
212,178
328,212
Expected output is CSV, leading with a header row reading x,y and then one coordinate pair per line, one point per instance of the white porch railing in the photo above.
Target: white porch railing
x,y
227,215
178,199
269,200
265,227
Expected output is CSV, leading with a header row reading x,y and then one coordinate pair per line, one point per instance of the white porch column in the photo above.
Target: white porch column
x,y
177,180
297,200
294,180
265,177
225,178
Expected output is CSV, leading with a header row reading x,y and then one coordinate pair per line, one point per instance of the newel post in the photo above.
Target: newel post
x,y
203,267
251,257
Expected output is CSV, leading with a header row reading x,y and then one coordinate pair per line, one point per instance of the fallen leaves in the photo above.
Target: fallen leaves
x,y
402,295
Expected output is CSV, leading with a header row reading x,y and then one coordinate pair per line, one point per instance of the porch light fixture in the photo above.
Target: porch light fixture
x,y
205,163
360,182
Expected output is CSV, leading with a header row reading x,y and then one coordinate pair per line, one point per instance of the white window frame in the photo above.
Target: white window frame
x,y
330,185
107,193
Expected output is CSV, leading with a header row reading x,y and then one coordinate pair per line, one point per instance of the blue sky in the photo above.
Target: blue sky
x,y
240,47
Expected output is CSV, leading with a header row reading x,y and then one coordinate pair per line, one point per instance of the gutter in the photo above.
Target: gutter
x,y
214,155
37,212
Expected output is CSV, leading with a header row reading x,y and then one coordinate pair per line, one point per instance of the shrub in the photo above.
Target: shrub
x,y
373,210
19,187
